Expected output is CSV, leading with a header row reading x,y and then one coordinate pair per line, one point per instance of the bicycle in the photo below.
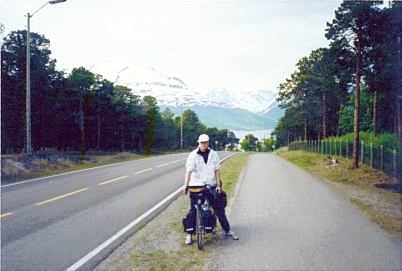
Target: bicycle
x,y
202,207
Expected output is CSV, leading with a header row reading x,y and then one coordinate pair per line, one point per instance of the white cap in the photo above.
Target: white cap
x,y
203,138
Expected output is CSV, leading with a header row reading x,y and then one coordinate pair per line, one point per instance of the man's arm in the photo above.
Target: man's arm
x,y
187,178
218,177
218,181
186,181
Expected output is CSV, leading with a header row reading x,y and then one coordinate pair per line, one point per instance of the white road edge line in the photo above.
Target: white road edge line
x,y
120,233
124,230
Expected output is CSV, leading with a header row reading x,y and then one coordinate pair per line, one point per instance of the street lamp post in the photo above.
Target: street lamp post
x,y
28,75
181,127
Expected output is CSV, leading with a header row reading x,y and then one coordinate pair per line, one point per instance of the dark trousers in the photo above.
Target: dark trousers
x,y
219,211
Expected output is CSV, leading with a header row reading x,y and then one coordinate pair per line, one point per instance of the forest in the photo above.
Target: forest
x,y
354,85
81,111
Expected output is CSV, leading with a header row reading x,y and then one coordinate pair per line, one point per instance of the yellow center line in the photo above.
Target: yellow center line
x,y
113,180
60,197
142,171
6,214
176,161
163,165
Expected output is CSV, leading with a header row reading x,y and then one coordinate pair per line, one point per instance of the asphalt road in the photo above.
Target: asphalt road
x,y
288,220
51,223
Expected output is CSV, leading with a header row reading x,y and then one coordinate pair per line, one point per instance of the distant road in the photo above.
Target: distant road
x,y
51,223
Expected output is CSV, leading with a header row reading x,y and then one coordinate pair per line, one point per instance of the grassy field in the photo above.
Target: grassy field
x,y
374,192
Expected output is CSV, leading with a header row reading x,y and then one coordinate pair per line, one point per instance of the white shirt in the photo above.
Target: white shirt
x,y
202,173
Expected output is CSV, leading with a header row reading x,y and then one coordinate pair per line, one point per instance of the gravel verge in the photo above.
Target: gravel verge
x,y
158,234
163,233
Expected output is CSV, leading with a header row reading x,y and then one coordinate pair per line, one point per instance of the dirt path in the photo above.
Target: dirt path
x,y
287,220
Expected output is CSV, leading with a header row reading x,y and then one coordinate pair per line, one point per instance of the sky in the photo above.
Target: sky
x,y
241,46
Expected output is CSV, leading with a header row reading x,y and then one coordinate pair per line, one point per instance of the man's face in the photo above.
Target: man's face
x,y
203,145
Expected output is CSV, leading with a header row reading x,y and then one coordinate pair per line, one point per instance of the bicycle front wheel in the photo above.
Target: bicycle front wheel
x,y
199,228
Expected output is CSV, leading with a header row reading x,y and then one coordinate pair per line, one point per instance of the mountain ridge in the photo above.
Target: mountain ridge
x,y
171,91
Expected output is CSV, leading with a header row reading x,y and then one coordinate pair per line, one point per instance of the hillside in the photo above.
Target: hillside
x,y
229,118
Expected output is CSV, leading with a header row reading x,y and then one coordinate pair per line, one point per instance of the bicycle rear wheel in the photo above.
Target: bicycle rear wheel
x,y
199,228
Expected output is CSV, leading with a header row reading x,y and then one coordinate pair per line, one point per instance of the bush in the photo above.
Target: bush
x,y
389,141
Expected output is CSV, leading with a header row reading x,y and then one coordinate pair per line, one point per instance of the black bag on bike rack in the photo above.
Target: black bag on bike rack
x,y
220,200
189,222
209,220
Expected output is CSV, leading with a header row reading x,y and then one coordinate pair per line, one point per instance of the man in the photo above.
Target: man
x,y
202,166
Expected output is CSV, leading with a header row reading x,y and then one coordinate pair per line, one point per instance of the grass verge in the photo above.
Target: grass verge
x,y
373,191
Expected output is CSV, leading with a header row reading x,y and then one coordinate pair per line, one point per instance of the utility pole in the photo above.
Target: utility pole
x,y
28,75
28,94
181,127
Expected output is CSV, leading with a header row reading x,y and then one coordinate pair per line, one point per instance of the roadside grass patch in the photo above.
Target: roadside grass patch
x,y
230,172
389,223
177,226
365,187
158,260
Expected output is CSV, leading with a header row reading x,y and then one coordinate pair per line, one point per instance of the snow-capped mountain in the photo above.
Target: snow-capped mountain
x,y
260,102
172,91
168,90
223,95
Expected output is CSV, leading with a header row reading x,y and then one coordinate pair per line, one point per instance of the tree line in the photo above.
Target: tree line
x,y
354,85
82,111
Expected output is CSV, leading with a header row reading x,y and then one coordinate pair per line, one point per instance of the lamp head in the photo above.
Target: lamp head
x,y
56,1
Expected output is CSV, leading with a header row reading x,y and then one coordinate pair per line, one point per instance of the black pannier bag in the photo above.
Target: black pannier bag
x,y
189,222
221,200
209,221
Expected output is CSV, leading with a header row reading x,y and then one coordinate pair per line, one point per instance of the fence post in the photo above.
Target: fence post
x,y
335,147
322,146
340,148
371,154
395,169
382,157
330,147
362,153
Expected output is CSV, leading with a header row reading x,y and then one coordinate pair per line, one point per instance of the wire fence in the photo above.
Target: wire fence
x,y
379,157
